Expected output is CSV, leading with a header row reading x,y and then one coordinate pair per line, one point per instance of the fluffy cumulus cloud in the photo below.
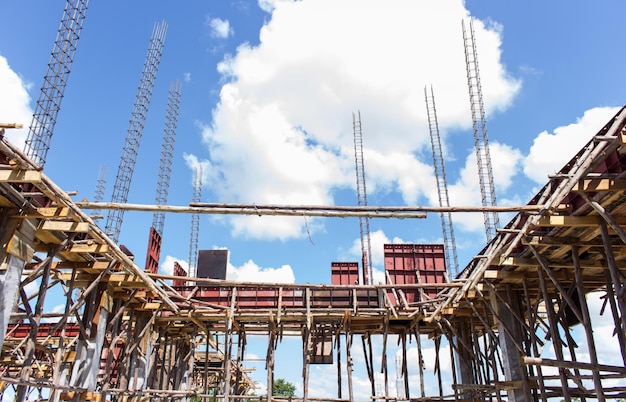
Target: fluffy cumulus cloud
x,y
378,239
14,102
219,28
247,272
282,131
251,272
167,266
506,163
543,161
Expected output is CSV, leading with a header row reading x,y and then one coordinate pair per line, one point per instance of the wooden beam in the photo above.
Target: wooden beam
x,y
89,248
19,176
95,265
568,220
53,212
65,226
531,262
600,184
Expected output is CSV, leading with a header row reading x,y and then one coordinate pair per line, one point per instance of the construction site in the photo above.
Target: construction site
x,y
514,323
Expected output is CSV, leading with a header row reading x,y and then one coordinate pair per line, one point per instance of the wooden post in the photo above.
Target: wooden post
x,y
269,359
615,275
35,319
338,347
383,363
349,363
306,347
420,358
405,372
61,367
369,363
554,333
532,317
229,345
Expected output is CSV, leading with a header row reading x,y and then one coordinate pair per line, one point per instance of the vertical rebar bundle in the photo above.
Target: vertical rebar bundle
x,y
364,222
54,82
101,184
481,143
167,153
195,222
447,228
135,128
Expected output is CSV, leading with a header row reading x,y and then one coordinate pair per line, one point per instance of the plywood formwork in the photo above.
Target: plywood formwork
x,y
127,335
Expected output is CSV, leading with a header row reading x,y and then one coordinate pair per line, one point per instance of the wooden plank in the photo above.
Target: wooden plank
x,y
89,248
47,237
53,212
22,246
531,262
20,176
4,202
148,306
120,277
95,265
65,226
567,220
600,184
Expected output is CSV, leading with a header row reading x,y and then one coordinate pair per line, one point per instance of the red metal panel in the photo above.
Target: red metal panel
x,y
344,273
415,263
22,330
179,271
154,251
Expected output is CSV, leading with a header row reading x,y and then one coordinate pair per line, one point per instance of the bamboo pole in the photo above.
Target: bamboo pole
x,y
350,363
332,211
554,333
615,275
420,359
369,362
533,339
226,283
578,275
338,348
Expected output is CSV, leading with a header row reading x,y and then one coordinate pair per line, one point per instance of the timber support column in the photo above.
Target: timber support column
x,y
460,341
507,307
89,349
17,239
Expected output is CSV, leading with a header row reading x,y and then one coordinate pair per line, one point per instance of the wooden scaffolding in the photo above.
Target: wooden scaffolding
x,y
515,324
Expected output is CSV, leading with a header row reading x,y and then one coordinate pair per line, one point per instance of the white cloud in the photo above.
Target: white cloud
x,y
505,162
187,77
378,239
282,130
14,103
167,266
251,272
543,160
219,28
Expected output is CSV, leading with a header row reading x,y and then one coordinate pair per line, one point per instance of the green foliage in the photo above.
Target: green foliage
x,y
284,388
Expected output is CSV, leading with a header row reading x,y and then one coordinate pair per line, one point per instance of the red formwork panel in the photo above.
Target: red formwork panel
x,y
268,297
344,273
22,330
154,251
415,263
179,271
251,297
344,298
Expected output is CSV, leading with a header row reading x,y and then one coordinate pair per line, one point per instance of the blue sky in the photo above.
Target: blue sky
x,y
269,89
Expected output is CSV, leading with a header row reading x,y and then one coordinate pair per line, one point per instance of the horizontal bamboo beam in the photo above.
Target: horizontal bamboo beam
x,y
537,361
400,212
276,285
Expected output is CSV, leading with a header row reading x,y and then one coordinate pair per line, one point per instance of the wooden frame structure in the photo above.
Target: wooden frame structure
x,y
126,335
